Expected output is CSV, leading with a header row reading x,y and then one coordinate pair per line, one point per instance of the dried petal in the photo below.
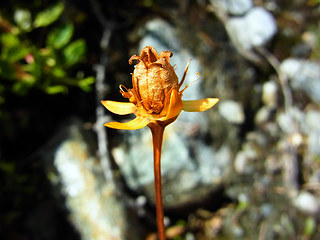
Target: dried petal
x,y
199,105
120,108
134,124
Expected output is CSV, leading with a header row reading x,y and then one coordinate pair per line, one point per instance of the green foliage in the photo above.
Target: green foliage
x,y
48,64
310,226
60,36
49,15
314,2
74,52
316,51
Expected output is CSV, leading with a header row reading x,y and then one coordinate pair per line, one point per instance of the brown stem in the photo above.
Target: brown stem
x,y
157,137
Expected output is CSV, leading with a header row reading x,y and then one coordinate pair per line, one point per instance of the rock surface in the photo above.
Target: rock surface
x,y
254,29
95,209
232,111
304,75
234,7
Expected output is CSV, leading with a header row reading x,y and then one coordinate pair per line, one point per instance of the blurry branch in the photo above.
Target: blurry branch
x,y
101,90
283,78
294,136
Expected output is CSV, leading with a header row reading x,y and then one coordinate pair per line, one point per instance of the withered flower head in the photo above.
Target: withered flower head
x,y
155,96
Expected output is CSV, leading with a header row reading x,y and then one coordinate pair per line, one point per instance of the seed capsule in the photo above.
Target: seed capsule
x,y
153,80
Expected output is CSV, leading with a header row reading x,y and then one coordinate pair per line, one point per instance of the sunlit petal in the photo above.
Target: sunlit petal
x,y
199,105
175,105
120,108
136,123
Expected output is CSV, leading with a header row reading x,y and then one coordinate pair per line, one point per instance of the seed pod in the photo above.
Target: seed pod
x,y
153,80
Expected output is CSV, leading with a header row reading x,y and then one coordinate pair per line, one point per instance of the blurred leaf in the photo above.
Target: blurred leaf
x,y
7,71
59,72
56,89
310,226
49,15
74,52
313,2
35,68
8,167
20,88
51,62
15,53
27,78
9,40
2,99
23,19
60,36
85,84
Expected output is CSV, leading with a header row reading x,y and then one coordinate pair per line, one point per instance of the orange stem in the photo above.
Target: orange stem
x,y
157,138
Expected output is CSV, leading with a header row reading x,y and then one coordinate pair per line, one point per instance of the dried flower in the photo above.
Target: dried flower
x,y
155,96
156,101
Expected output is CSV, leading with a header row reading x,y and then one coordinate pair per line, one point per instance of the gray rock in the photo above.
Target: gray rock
x,y
95,210
269,93
185,177
286,120
240,162
263,115
308,123
256,28
234,7
304,75
232,111
307,203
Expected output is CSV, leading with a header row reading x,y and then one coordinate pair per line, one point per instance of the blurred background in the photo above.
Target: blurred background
x,y
246,169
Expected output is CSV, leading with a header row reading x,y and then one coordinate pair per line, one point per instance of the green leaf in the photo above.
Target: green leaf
x,y
35,68
56,89
74,52
16,53
9,40
310,226
49,15
8,167
2,98
7,71
58,72
85,84
21,88
59,37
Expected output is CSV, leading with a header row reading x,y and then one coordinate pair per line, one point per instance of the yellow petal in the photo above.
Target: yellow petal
x,y
136,123
175,105
199,105
120,108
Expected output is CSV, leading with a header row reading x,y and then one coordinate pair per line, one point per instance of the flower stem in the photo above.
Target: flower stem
x,y
157,137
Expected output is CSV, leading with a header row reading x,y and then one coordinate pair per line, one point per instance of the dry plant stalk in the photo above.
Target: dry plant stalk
x,y
156,101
